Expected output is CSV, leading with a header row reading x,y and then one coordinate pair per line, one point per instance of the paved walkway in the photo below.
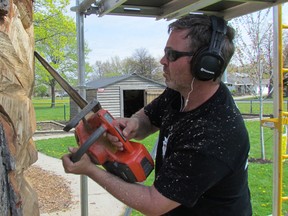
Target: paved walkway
x,y
100,202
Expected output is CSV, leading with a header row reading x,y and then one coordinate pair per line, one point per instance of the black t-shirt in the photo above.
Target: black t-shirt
x,y
202,155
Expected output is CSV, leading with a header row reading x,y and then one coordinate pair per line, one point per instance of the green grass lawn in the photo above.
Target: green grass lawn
x,y
44,112
260,175
61,111
253,106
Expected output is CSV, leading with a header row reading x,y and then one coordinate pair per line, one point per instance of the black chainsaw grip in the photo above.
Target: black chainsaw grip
x,y
75,157
85,146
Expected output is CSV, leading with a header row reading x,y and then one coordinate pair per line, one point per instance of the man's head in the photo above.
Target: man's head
x,y
210,44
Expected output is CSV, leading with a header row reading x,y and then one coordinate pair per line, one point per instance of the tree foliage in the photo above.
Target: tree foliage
x,y
110,68
141,63
56,41
254,53
41,90
254,45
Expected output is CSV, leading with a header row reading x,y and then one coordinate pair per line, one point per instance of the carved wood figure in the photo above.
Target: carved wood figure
x,y
17,118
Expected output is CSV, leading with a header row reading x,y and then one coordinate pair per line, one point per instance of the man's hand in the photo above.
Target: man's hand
x,y
137,127
81,167
129,128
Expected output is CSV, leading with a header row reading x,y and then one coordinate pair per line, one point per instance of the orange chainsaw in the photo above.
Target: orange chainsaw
x,y
133,163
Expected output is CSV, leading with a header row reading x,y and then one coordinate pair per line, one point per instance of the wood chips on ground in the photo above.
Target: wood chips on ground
x,y
53,191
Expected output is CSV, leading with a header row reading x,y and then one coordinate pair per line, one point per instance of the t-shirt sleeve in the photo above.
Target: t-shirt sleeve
x,y
156,109
185,182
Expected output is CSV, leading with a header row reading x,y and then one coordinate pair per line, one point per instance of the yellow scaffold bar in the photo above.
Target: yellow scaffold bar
x,y
285,121
270,123
285,70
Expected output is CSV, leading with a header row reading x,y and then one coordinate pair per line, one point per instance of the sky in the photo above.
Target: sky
x,y
111,36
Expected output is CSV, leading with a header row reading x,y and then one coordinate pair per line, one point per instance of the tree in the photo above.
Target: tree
x,y
285,64
141,63
98,70
109,68
254,46
55,40
40,90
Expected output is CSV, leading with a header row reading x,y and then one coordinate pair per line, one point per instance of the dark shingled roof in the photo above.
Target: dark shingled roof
x,y
106,81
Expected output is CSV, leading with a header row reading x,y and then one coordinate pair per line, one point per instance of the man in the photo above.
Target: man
x,y
202,153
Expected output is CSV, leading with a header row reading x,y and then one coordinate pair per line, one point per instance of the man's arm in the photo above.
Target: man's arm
x,y
145,128
137,127
145,199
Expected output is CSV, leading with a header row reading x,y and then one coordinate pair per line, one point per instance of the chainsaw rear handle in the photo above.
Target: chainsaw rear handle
x,y
110,123
85,146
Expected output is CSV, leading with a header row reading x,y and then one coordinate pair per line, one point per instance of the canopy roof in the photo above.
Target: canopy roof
x,y
170,9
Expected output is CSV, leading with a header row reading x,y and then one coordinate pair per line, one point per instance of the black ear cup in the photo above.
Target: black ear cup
x,y
208,63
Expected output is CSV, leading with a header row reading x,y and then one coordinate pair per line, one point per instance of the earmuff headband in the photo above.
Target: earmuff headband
x,y
219,30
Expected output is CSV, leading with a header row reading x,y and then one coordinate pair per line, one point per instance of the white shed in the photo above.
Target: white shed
x,y
122,95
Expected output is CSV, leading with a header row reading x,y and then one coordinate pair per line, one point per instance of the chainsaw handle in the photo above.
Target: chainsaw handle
x,y
83,148
110,123
87,109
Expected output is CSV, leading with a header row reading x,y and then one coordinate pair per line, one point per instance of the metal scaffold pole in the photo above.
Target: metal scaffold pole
x,y
277,106
82,92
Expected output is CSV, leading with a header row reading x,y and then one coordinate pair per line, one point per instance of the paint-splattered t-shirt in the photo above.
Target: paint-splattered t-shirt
x,y
202,155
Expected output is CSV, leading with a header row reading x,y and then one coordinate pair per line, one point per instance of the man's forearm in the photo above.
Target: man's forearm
x,y
145,127
136,196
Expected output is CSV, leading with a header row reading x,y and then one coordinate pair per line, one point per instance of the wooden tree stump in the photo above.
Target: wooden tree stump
x,y
10,200
17,117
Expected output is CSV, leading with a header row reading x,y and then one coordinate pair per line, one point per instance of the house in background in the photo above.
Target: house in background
x,y
241,84
122,96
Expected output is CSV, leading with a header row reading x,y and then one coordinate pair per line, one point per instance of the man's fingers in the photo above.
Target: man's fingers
x,y
67,163
115,141
111,137
72,149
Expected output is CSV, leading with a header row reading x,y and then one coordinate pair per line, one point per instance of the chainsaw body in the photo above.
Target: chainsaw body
x,y
133,164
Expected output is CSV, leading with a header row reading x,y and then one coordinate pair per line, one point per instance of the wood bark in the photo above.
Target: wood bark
x,y
17,120
10,199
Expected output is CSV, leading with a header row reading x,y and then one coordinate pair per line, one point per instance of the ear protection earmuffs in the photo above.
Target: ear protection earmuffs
x,y
208,63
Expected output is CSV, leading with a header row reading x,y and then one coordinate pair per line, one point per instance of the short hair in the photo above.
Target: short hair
x,y
200,32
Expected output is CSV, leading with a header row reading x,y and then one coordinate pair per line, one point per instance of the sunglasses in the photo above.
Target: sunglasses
x,y
173,55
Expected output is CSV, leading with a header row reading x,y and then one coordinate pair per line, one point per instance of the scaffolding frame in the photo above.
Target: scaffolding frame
x,y
174,9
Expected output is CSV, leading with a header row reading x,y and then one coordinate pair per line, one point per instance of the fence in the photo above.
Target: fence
x,y
253,106
61,111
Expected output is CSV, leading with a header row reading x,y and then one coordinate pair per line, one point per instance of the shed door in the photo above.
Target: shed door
x,y
133,101
151,94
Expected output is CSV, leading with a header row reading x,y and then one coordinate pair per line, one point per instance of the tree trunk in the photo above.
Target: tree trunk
x,y
17,116
53,84
270,87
